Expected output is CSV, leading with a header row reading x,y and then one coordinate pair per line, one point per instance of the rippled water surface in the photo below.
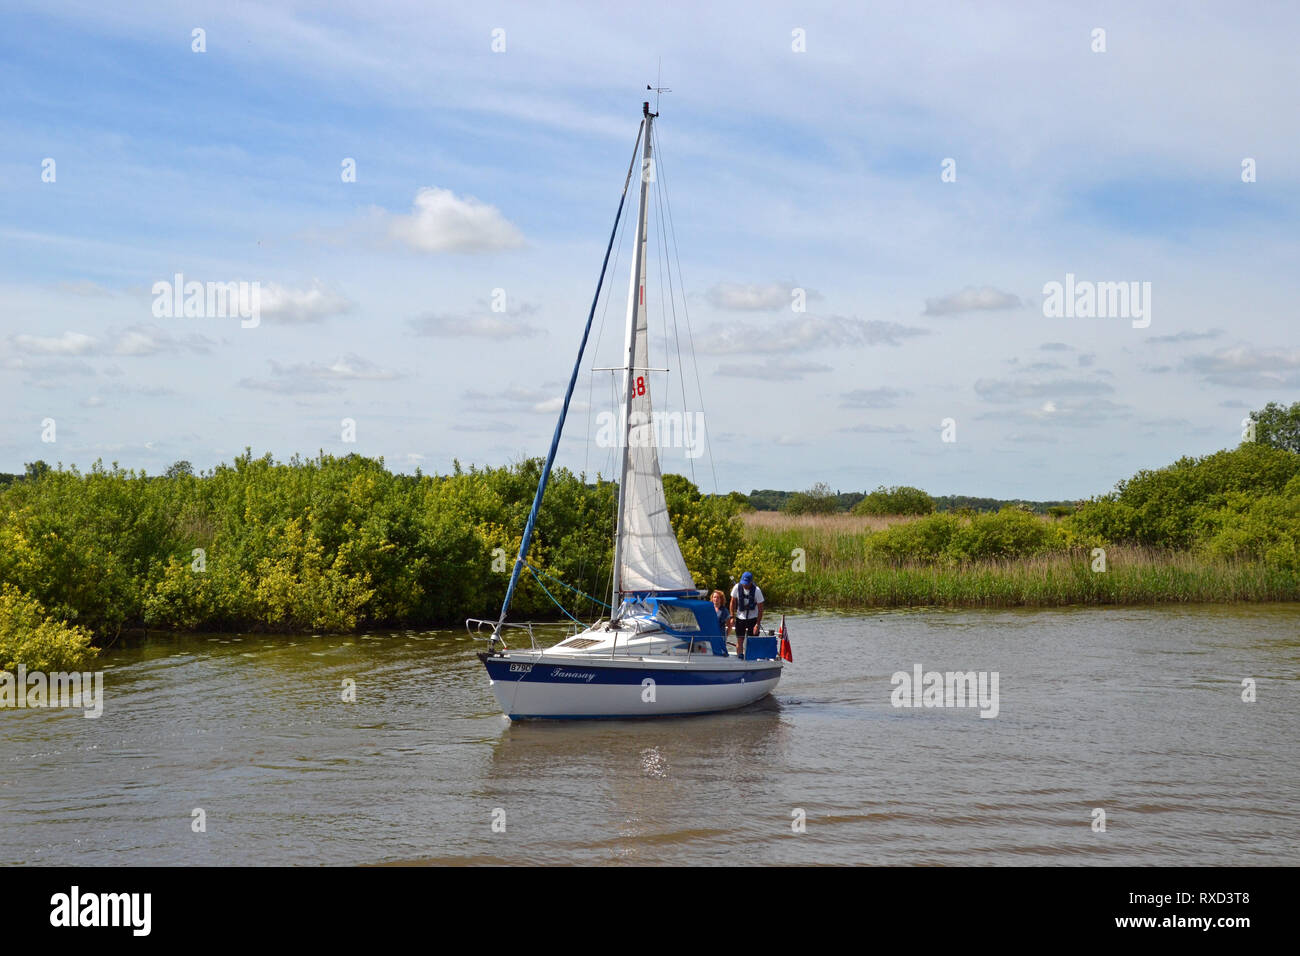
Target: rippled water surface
x,y
1136,711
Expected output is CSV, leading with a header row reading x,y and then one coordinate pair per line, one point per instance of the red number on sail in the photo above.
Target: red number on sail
x,y
640,385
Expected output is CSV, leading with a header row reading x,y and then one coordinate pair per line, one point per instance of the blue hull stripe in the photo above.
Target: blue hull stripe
x,y
688,713
577,674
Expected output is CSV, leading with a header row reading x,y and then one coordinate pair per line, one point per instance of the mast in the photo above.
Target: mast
x,y
635,302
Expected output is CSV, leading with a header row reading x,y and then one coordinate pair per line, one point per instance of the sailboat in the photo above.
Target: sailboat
x,y
661,651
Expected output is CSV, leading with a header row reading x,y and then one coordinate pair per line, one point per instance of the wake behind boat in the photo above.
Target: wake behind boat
x,y
662,650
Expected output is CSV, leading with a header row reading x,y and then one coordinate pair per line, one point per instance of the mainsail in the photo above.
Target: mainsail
x,y
646,553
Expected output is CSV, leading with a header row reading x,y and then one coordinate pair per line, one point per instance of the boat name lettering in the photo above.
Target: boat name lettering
x,y
575,675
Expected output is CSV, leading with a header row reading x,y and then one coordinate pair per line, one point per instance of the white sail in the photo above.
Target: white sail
x,y
646,552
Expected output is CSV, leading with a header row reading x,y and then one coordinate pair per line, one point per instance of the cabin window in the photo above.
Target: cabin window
x,y
634,609
678,618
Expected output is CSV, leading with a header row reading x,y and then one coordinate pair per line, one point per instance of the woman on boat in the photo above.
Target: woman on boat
x,y
720,606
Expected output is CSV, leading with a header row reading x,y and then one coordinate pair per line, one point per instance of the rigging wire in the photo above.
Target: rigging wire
x,y
591,381
551,596
660,195
565,584
690,337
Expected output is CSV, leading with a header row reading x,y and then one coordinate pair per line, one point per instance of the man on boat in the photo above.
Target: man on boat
x,y
746,609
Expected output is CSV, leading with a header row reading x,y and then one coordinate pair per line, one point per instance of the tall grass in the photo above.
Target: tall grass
x,y
841,571
821,524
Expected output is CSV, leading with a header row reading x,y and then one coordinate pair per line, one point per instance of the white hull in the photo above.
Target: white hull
x,y
626,688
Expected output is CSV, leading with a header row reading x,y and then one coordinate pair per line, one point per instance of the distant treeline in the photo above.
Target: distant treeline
x,y
769,499
1275,425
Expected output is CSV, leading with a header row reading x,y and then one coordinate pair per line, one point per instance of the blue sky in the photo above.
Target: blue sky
x,y
481,170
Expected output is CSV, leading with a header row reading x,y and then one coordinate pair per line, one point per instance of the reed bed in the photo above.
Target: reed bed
x,y
821,524
840,571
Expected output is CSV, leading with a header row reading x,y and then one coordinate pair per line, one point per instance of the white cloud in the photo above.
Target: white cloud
x,y
1187,336
1077,413
69,343
867,428
805,333
1248,367
279,303
1031,438
1007,391
318,377
872,398
441,221
84,287
486,326
350,366
518,399
488,426
971,299
756,297
770,370
139,340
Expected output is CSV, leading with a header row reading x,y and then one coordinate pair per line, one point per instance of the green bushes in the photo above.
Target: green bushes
x,y
897,500
29,636
1240,501
325,544
817,500
948,539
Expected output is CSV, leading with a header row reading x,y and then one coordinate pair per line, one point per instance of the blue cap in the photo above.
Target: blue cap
x,y
747,578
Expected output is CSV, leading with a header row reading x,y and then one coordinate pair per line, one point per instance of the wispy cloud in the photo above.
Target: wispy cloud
x,y
1007,391
519,399
873,398
1183,337
1248,367
772,370
867,428
141,340
69,343
482,326
1066,413
756,297
317,377
313,304
971,299
805,333
134,340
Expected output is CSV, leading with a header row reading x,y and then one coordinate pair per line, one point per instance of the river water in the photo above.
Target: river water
x,y
1137,712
